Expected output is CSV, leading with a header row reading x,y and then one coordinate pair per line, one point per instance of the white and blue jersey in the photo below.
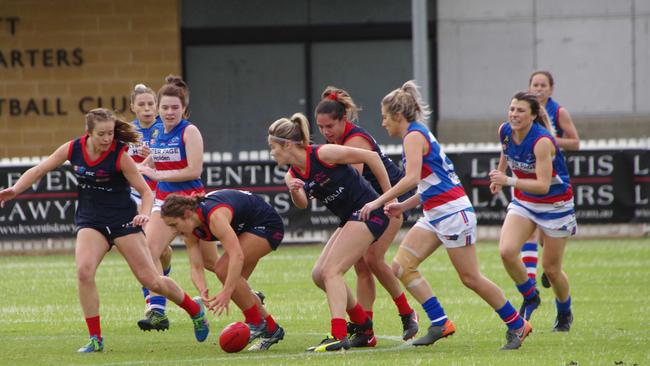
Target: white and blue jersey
x,y
441,192
168,150
149,135
553,111
554,211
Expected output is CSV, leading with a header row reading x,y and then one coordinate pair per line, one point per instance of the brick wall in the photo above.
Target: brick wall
x,y
59,58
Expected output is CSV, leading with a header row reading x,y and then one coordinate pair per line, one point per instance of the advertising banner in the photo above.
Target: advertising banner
x,y
610,186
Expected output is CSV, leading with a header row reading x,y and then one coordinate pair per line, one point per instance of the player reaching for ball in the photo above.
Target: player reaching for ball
x,y
248,228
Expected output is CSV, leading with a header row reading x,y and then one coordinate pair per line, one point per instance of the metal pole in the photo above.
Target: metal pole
x,y
420,47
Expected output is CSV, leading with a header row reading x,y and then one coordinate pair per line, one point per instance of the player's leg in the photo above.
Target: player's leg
x,y
90,248
514,232
139,259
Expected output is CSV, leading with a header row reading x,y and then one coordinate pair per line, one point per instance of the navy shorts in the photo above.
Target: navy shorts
x,y
269,227
112,232
376,223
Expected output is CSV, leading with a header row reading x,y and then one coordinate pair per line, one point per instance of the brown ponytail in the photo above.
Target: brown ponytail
x,y
175,205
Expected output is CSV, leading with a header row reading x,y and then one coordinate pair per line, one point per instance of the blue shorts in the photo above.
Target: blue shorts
x,y
112,232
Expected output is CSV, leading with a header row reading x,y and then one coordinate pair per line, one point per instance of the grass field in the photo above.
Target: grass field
x,y
41,320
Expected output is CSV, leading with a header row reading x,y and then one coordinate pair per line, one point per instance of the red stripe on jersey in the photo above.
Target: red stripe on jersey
x,y
441,199
425,171
171,165
187,192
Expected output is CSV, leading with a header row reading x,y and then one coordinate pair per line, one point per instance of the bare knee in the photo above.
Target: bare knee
x,y
362,269
509,254
375,261
317,277
470,280
86,274
552,270
152,281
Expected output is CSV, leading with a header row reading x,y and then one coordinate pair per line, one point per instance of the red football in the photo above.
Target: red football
x,y
234,337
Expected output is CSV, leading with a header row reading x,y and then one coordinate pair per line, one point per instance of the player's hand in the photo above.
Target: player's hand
x,y
393,209
498,177
295,184
494,188
365,211
219,303
205,297
140,220
6,195
149,172
144,151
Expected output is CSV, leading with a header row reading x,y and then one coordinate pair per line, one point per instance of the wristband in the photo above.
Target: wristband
x,y
511,181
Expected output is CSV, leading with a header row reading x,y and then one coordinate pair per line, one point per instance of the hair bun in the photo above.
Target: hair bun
x,y
140,88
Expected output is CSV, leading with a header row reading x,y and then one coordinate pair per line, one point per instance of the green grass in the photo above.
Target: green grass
x,y
41,320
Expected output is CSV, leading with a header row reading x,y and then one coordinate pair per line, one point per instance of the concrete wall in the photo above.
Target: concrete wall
x,y
597,50
60,58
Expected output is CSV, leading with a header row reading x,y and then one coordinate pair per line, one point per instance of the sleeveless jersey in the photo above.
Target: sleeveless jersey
x,y
553,111
394,173
521,160
149,135
104,194
339,187
440,190
248,210
169,153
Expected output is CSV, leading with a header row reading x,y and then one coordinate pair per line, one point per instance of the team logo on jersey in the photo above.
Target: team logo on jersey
x,y
153,137
81,170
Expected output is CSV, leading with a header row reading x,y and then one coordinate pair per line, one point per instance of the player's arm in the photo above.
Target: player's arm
x,y
195,256
58,157
296,190
570,140
135,179
220,226
360,143
337,154
415,146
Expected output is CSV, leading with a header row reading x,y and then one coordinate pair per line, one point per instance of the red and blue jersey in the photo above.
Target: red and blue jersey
x,y
339,187
149,135
553,111
441,192
168,151
522,162
250,213
104,194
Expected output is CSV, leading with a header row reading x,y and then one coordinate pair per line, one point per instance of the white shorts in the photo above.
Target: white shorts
x,y
557,227
157,204
455,231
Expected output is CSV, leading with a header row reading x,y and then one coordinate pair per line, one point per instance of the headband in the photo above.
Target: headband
x,y
282,139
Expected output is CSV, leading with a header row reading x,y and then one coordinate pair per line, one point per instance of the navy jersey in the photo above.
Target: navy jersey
x,y
104,193
339,187
250,213
394,173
